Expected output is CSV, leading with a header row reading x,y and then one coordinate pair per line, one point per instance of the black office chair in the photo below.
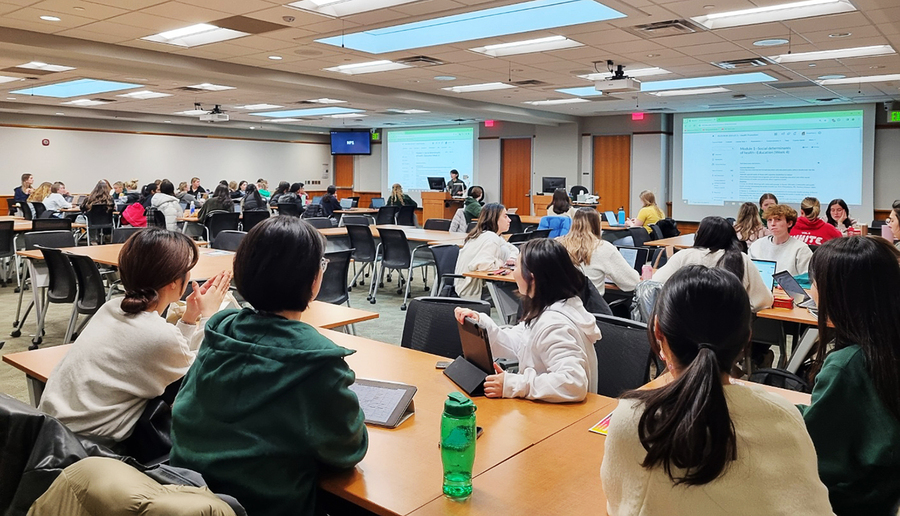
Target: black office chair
x,y
437,224
155,218
51,224
395,255
11,205
121,234
623,355
312,210
8,256
471,225
320,222
576,190
252,218
539,233
639,235
91,293
355,220
62,288
365,251
334,289
25,208
218,221
39,210
36,274
228,240
445,258
431,327
406,216
100,218
289,209
516,238
515,223
657,232
386,215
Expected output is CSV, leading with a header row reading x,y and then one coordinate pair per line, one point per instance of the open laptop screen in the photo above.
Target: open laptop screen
x,y
767,271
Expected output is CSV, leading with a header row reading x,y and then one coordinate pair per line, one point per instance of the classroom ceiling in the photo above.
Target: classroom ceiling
x,y
102,39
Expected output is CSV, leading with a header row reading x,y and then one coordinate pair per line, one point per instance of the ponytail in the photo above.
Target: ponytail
x,y
140,300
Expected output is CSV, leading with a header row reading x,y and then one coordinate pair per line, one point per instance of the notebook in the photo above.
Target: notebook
x,y
767,271
612,219
384,403
793,289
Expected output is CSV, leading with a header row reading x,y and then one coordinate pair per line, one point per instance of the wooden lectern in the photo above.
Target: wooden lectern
x,y
440,205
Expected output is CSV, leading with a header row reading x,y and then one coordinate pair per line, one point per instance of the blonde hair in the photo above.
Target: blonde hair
x,y
748,221
396,193
131,185
584,236
810,208
182,186
649,199
40,193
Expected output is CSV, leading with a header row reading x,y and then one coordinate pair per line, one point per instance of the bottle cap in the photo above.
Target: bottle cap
x,y
457,404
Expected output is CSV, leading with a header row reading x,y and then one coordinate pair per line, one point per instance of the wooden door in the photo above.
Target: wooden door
x,y
515,173
612,171
343,171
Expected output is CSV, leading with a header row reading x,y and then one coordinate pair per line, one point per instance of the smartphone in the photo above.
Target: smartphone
x,y
442,364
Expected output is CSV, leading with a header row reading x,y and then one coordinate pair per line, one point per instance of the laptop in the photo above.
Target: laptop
x,y
635,256
317,199
767,271
378,202
346,203
613,219
793,289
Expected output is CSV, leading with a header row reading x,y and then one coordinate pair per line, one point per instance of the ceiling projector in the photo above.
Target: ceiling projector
x,y
618,82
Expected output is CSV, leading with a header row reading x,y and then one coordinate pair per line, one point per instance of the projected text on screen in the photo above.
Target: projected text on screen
x,y
415,155
732,159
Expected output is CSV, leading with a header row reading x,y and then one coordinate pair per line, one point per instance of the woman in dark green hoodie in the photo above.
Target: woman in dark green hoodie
x,y
267,402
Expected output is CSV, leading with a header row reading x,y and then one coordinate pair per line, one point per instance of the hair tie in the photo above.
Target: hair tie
x,y
704,345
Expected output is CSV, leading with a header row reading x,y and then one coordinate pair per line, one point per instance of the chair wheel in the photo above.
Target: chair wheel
x,y
361,283
403,307
37,340
16,324
381,285
32,347
354,284
372,301
399,290
16,290
16,333
74,336
425,289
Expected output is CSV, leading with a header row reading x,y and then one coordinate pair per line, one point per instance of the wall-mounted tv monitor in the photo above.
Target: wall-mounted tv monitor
x,y
551,184
351,142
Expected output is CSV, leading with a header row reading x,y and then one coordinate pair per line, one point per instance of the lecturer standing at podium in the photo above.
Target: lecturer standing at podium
x,y
456,182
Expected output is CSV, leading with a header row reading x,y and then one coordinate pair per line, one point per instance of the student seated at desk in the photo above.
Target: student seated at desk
x,y
554,342
790,254
561,205
252,200
838,215
280,190
855,285
810,229
701,445
484,249
166,202
716,245
128,354
748,226
40,193
56,202
267,404
21,192
398,198
219,201
596,258
330,202
647,215
470,211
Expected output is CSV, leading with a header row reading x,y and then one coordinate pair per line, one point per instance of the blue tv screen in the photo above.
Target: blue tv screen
x,y
351,142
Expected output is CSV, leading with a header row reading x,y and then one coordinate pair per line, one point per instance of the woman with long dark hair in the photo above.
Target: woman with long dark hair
x,y
716,245
218,201
252,200
854,418
838,215
484,249
702,445
561,205
280,190
554,341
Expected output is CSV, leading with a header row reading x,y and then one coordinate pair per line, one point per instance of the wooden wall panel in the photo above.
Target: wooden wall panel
x,y
343,171
612,171
515,173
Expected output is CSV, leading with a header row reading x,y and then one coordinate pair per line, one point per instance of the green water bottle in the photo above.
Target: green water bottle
x,y
458,445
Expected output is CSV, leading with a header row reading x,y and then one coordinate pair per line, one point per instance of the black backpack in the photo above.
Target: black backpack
x,y
668,227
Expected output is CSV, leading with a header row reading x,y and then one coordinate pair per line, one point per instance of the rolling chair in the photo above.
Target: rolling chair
x,y
431,327
623,355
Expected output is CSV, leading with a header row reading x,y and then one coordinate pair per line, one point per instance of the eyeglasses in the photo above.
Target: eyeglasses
x,y
324,264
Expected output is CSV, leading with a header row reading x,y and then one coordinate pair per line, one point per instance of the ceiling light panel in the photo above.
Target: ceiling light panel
x,y
841,53
326,101
259,106
555,102
85,102
485,23
37,65
341,8
348,115
368,67
584,91
144,95
709,81
211,87
857,80
527,46
295,113
774,13
640,72
407,111
4,78
698,91
195,35
76,88
488,86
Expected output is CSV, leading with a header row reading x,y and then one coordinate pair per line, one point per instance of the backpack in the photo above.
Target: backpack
x,y
668,227
134,215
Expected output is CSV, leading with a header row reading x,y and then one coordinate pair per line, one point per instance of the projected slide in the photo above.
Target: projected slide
x,y
414,155
730,159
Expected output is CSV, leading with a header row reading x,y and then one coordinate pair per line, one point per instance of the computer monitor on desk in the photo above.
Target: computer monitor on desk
x,y
551,184
438,184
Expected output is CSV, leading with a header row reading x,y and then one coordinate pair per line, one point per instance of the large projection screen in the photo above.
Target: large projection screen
x,y
723,159
411,156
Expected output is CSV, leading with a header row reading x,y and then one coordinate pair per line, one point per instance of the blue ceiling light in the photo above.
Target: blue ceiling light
x,y
294,113
704,82
584,91
76,88
486,23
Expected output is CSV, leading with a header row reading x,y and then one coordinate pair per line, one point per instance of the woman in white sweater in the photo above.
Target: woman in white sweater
x,y
701,444
597,259
554,342
716,245
128,354
484,249
166,202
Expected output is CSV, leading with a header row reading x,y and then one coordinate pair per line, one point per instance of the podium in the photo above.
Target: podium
x,y
440,205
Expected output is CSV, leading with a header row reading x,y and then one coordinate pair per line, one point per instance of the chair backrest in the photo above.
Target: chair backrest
x,y
387,215
576,190
11,205
657,232
91,293
101,216
445,258
7,238
430,325
395,252
639,235
288,208
781,379
376,202
362,241
63,287
438,224
593,301
51,224
320,222
471,225
558,225
334,282
313,209
355,220
406,216
252,218
539,233
120,235
519,237
55,239
515,223
228,240
39,209
25,208
156,218
623,355
218,221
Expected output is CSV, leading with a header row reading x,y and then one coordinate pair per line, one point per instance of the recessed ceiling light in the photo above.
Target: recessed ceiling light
x,y
167,121
144,95
406,111
259,106
488,86
341,8
840,35
698,91
876,67
78,8
327,101
640,72
348,115
61,114
712,80
652,55
10,98
276,58
282,120
527,46
252,127
195,35
211,87
192,112
832,76
84,102
444,78
368,67
51,18
37,65
3,79
76,88
555,102
841,53
812,65
585,91
774,13
773,42
856,80
321,111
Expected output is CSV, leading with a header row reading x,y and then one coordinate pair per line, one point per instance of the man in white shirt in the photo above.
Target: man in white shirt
x,y
55,202
791,254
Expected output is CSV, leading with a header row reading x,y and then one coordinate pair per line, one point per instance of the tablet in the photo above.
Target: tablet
x,y
384,403
476,346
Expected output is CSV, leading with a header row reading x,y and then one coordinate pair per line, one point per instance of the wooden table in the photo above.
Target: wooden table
x,y
25,225
678,242
413,234
535,220
358,211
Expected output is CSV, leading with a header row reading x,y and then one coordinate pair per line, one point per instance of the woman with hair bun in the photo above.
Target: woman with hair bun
x,y
128,354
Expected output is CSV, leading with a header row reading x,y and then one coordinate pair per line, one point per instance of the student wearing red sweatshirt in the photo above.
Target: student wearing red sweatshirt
x,y
810,229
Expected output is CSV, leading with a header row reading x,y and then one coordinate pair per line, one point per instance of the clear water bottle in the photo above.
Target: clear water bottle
x,y
621,215
647,272
458,434
192,208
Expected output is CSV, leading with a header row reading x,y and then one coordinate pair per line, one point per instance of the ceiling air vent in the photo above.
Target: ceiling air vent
x,y
664,28
529,82
659,110
420,61
792,85
740,64
738,105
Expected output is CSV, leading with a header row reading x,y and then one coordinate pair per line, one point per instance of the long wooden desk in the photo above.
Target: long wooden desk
x,y
25,225
413,234
535,220
679,242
